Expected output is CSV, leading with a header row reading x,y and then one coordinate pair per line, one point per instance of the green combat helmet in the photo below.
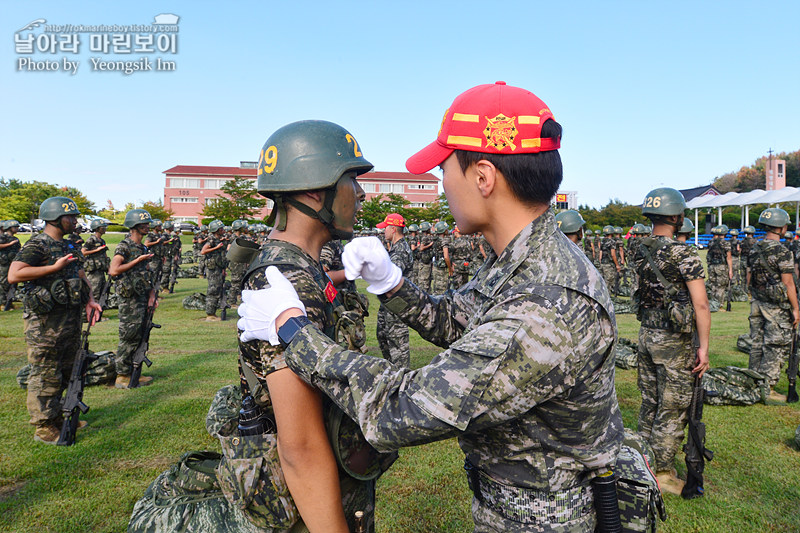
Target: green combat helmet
x,y
57,206
239,225
588,232
215,226
155,223
203,227
8,224
306,156
608,230
663,201
618,230
570,221
134,217
168,225
719,230
788,236
425,226
734,233
688,226
639,229
749,230
94,224
441,227
774,217
413,228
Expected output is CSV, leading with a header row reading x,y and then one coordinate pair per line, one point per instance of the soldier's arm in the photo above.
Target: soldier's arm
x,y
117,266
614,258
10,243
446,255
788,280
702,314
729,260
20,271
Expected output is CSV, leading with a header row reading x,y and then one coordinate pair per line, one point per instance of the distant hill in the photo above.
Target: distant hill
x,y
753,177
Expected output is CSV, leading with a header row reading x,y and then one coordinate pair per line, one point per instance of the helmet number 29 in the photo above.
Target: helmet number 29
x,y
652,201
269,158
350,139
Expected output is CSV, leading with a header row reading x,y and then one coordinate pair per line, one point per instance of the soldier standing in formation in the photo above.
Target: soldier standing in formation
x,y
672,306
56,290
773,310
720,264
747,245
460,253
504,379
391,331
440,270
167,255
413,242
685,231
425,256
131,269
177,250
201,241
588,244
479,247
9,247
571,223
154,242
736,256
97,262
609,260
237,269
214,253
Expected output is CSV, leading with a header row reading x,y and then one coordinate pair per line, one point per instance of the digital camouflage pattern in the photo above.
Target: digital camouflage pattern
x,y
626,354
478,242
96,264
717,284
607,266
638,493
770,312
262,358
350,329
156,263
731,385
7,255
392,333
101,370
195,302
237,270
528,366
133,288
215,272
424,258
460,257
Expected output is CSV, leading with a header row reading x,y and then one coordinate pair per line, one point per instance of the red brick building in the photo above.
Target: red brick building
x,y
188,189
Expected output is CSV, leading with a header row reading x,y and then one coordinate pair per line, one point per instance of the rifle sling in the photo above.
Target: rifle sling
x,y
668,287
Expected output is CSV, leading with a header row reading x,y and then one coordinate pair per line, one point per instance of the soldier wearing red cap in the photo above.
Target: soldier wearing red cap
x,y
392,333
526,376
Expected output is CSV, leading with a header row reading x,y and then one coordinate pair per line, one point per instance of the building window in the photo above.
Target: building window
x,y
184,183
368,187
215,184
398,188
385,188
183,200
422,187
417,204
211,201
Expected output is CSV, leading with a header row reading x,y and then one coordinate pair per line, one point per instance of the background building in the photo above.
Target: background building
x,y
565,200
188,189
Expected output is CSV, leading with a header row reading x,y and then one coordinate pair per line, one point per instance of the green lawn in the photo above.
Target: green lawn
x,y
752,484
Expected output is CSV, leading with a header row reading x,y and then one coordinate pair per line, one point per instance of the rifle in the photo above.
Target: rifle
x,y
730,295
104,292
223,298
695,448
791,371
73,401
140,355
12,292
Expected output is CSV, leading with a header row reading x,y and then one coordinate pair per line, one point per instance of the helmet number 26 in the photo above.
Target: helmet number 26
x,y
652,201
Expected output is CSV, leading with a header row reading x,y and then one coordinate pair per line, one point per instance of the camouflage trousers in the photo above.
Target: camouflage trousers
x,y
439,280
202,264
4,285
216,277
771,333
424,276
238,271
665,381
97,279
459,278
166,271
738,280
53,342
392,336
717,283
489,521
131,314
156,266
610,274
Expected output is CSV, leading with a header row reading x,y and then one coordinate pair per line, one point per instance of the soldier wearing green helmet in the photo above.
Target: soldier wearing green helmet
x,y
155,241
425,256
774,310
672,306
9,247
238,268
214,252
167,254
720,265
685,231
56,291
736,261
135,289
610,264
440,270
95,250
571,224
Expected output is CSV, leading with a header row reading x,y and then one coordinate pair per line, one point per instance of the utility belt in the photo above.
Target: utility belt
x,y
529,506
715,262
41,298
132,285
774,293
678,317
440,263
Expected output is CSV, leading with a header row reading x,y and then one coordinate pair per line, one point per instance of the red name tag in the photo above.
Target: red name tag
x,y
330,292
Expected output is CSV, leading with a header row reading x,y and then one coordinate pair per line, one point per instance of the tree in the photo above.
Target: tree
x,y
20,200
240,200
375,210
157,210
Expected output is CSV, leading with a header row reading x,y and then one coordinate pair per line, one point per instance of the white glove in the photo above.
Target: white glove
x,y
261,308
365,257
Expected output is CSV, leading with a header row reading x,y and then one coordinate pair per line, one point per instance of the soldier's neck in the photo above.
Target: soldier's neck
x,y
53,231
309,237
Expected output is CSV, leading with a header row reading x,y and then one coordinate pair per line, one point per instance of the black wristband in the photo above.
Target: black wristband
x,y
290,328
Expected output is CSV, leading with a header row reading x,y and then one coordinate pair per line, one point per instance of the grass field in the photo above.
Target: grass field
x,y
753,483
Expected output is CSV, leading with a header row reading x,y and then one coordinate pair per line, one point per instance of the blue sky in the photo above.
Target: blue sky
x,y
649,93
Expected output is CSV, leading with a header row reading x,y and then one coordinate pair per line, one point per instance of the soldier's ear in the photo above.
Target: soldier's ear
x,y
485,177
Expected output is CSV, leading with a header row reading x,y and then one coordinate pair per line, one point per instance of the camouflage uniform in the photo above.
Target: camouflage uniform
x,y
607,262
439,274
736,263
6,257
460,256
215,272
425,262
177,247
391,332
237,271
666,356
156,265
133,290
201,261
413,241
262,358
478,259
52,320
770,311
526,381
96,265
717,259
169,251
588,247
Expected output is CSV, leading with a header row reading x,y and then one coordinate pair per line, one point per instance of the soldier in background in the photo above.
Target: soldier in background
x,y
237,269
720,264
479,252
214,252
460,253
571,223
202,240
425,256
56,293
413,242
747,244
609,260
97,262
440,270
9,247
135,289
392,333
154,242
670,315
588,244
774,310
686,230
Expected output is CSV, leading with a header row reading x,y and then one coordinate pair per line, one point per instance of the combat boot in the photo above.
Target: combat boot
x,y
47,434
776,396
213,318
669,481
124,382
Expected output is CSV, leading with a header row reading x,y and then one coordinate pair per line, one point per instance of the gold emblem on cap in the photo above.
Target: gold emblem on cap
x,y
500,132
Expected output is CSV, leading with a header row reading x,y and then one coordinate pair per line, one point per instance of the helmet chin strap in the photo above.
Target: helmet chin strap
x,y
324,215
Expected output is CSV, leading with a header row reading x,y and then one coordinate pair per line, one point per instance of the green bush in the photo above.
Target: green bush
x,y
117,227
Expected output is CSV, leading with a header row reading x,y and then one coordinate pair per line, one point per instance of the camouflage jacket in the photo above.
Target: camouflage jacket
x,y
678,264
736,247
425,256
718,251
747,245
8,253
401,255
440,242
215,260
330,257
526,380
156,249
41,250
139,274
768,259
479,241
99,260
460,253
606,245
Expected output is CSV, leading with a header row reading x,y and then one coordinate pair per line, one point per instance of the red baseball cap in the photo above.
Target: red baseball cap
x,y
392,219
492,118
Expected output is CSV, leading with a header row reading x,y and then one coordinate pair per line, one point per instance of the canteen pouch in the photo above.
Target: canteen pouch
x,y
124,287
60,292
640,502
38,300
681,316
250,476
349,329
